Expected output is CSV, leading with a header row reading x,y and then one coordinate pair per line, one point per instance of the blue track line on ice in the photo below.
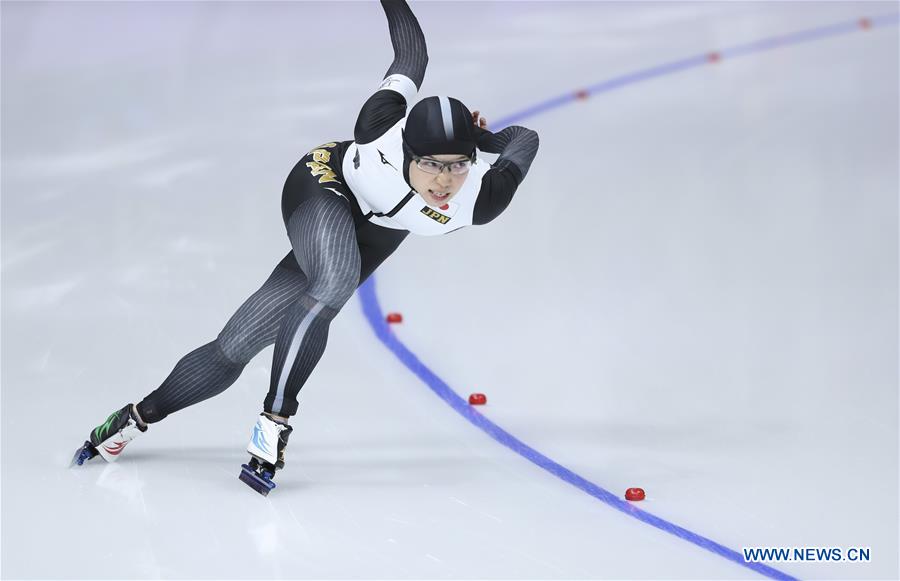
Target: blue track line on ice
x,y
375,316
700,60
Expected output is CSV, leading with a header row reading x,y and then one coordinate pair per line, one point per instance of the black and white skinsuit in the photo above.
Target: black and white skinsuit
x,y
346,206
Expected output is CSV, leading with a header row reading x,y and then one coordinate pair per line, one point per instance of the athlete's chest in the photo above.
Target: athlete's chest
x,y
377,168
374,173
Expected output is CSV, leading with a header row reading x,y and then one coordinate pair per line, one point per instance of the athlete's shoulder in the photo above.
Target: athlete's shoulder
x,y
384,108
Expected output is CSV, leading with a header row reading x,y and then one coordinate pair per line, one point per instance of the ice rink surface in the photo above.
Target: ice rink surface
x,y
694,291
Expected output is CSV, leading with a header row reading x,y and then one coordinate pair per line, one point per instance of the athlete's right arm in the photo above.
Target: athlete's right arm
x,y
517,147
402,80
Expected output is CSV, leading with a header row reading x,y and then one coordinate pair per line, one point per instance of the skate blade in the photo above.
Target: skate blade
x,y
249,477
83,454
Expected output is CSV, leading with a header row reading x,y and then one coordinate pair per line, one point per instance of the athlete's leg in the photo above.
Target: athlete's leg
x,y
211,369
323,238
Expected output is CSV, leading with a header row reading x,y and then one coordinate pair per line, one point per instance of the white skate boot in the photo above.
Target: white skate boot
x,y
110,438
268,439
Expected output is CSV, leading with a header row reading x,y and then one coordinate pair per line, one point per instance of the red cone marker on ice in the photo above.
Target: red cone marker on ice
x,y
394,318
634,494
477,399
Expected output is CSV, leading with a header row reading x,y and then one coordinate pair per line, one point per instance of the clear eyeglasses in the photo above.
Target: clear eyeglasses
x,y
436,167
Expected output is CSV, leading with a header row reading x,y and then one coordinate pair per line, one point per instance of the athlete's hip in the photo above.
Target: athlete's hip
x,y
318,173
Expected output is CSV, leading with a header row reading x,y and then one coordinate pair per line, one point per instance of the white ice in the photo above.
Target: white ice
x,y
694,291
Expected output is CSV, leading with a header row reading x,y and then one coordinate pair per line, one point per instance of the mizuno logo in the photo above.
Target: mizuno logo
x,y
385,161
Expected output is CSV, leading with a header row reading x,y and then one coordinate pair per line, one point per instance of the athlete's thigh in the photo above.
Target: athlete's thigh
x,y
320,227
318,215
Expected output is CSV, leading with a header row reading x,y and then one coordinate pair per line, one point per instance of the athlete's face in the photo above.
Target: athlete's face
x,y
437,189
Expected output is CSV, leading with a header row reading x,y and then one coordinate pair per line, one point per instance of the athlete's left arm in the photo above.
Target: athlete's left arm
x,y
403,78
517,147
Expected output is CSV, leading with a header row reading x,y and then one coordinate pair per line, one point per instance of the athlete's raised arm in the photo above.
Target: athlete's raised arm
x,y
403,78
517,147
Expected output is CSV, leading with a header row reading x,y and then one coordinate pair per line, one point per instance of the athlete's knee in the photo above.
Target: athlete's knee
x,y
247,332
336,278
237,347
334,287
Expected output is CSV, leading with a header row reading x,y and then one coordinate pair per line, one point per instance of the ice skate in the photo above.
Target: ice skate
x,y
110,438
267,442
